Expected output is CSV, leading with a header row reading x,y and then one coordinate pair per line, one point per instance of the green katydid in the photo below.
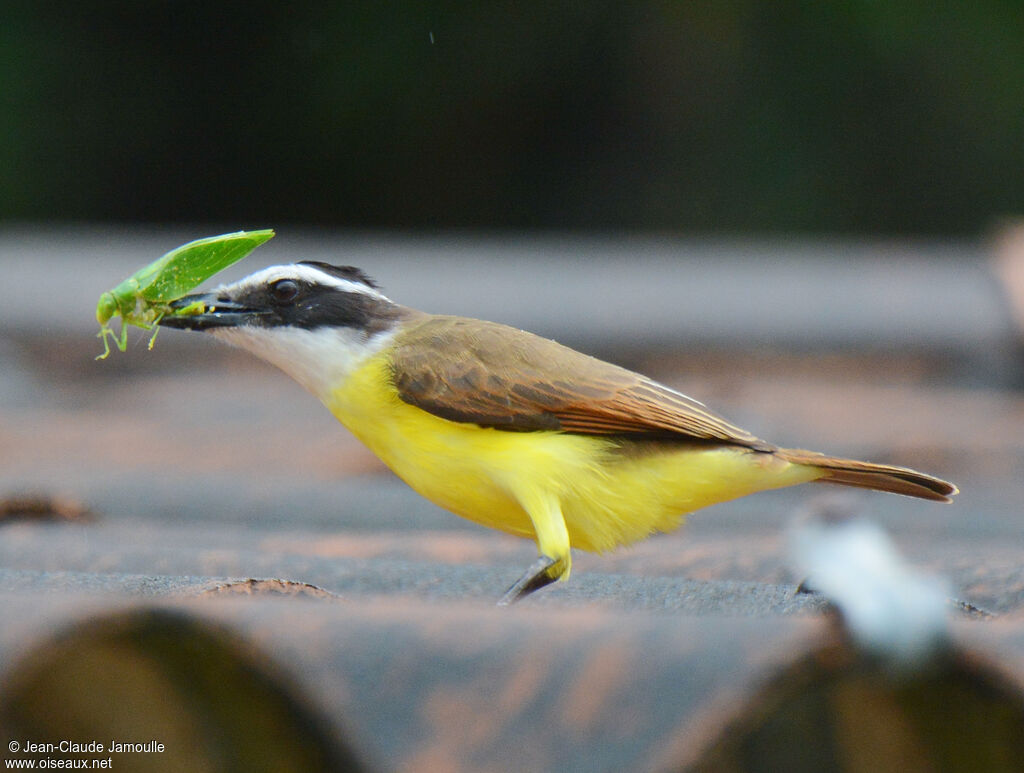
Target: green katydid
x,y
144,298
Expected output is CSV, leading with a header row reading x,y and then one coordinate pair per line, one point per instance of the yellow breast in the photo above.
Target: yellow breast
x,y
611,492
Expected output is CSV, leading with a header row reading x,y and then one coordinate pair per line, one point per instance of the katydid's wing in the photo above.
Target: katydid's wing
x,y
496,376
180,270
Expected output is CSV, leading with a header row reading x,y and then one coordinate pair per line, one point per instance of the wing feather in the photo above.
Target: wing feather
x,y
497,376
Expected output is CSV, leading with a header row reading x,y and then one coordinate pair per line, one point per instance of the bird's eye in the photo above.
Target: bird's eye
x,y
284,290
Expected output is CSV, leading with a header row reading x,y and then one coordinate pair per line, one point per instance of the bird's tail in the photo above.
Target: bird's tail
x,y
880,477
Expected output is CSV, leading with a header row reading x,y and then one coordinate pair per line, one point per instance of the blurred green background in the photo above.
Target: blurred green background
x,y
860,117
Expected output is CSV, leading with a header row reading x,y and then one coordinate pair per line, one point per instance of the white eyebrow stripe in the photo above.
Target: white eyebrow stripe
x,y
302,273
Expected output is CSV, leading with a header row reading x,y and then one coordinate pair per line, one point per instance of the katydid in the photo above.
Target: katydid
x,y
144,298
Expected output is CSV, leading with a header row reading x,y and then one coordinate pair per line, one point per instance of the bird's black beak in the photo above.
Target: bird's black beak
x,y
205,311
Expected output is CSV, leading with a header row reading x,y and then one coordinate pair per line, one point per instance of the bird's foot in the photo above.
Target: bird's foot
x,y
804,587
543,571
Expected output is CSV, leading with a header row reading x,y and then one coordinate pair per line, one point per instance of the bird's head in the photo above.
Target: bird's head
x,y
315,321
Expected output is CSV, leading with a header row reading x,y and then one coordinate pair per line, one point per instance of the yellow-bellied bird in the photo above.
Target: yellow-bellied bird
x,y
508,429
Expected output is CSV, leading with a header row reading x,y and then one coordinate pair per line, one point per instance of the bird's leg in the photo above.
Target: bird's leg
x,y
805,587
542,572
552,540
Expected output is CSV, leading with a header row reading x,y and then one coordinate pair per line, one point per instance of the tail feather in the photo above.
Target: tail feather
x,y
880,477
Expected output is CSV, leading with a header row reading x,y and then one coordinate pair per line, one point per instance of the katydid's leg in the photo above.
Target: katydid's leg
x,y
102,335
156,329
122,343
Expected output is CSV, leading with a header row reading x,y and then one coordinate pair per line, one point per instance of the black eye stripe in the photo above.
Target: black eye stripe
x,y
298,303
324,306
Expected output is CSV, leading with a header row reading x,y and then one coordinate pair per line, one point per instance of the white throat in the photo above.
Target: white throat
x,y
321,359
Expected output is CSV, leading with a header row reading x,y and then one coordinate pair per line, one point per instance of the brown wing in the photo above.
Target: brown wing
x,y
496,376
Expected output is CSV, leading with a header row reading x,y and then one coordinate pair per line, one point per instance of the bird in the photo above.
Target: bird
x,y
506,428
